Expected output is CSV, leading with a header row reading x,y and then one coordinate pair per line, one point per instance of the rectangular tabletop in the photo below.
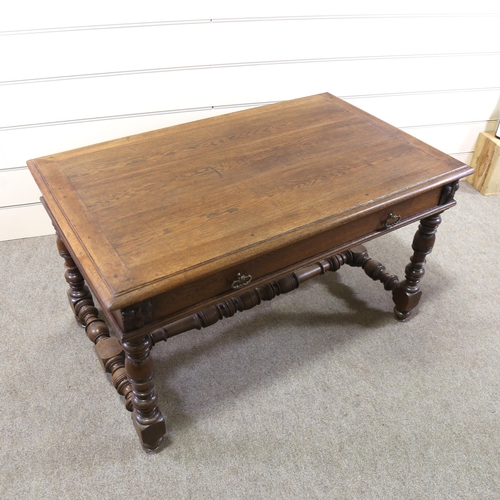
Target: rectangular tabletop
x,y
151,212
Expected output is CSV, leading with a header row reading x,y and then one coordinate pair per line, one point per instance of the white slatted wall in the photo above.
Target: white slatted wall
x,y
72,76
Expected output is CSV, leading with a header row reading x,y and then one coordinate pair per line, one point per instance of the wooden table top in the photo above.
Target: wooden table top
x,y
147,213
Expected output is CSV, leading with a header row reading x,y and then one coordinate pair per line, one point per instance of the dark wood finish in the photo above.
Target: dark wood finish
x,y
187,297
148,420
407,294
109,350
77,290
355,257
216,193
178,228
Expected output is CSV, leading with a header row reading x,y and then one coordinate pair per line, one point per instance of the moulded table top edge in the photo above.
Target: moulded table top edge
x,y
113,296
121,298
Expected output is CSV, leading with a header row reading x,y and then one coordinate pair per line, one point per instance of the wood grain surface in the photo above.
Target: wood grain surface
x,y
152,212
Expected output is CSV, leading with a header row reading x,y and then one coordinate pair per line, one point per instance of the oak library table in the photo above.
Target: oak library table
x,y
176,229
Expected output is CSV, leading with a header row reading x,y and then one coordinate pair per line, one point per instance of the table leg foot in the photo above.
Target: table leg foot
x,y
151,436
148,420
406,295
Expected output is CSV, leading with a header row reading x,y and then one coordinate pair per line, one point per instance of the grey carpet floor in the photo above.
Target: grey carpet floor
x,y
319,394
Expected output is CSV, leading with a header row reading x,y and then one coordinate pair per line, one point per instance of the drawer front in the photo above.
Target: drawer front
x,y
255,271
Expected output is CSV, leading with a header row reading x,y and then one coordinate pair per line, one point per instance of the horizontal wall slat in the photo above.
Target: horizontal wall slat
x,y
379,76
26,14
453,138
432,108
103,97
22,144
65,53
24,222
46,102
464,157
17,187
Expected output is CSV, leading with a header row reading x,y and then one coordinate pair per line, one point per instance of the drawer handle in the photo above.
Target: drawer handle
x,y
392,220
241,281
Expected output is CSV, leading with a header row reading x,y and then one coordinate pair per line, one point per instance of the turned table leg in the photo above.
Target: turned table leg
x,y
406,294
148,420
108,349
77,291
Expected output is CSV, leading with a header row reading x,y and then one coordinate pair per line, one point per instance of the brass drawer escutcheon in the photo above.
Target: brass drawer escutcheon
x,y
241,281
392,220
